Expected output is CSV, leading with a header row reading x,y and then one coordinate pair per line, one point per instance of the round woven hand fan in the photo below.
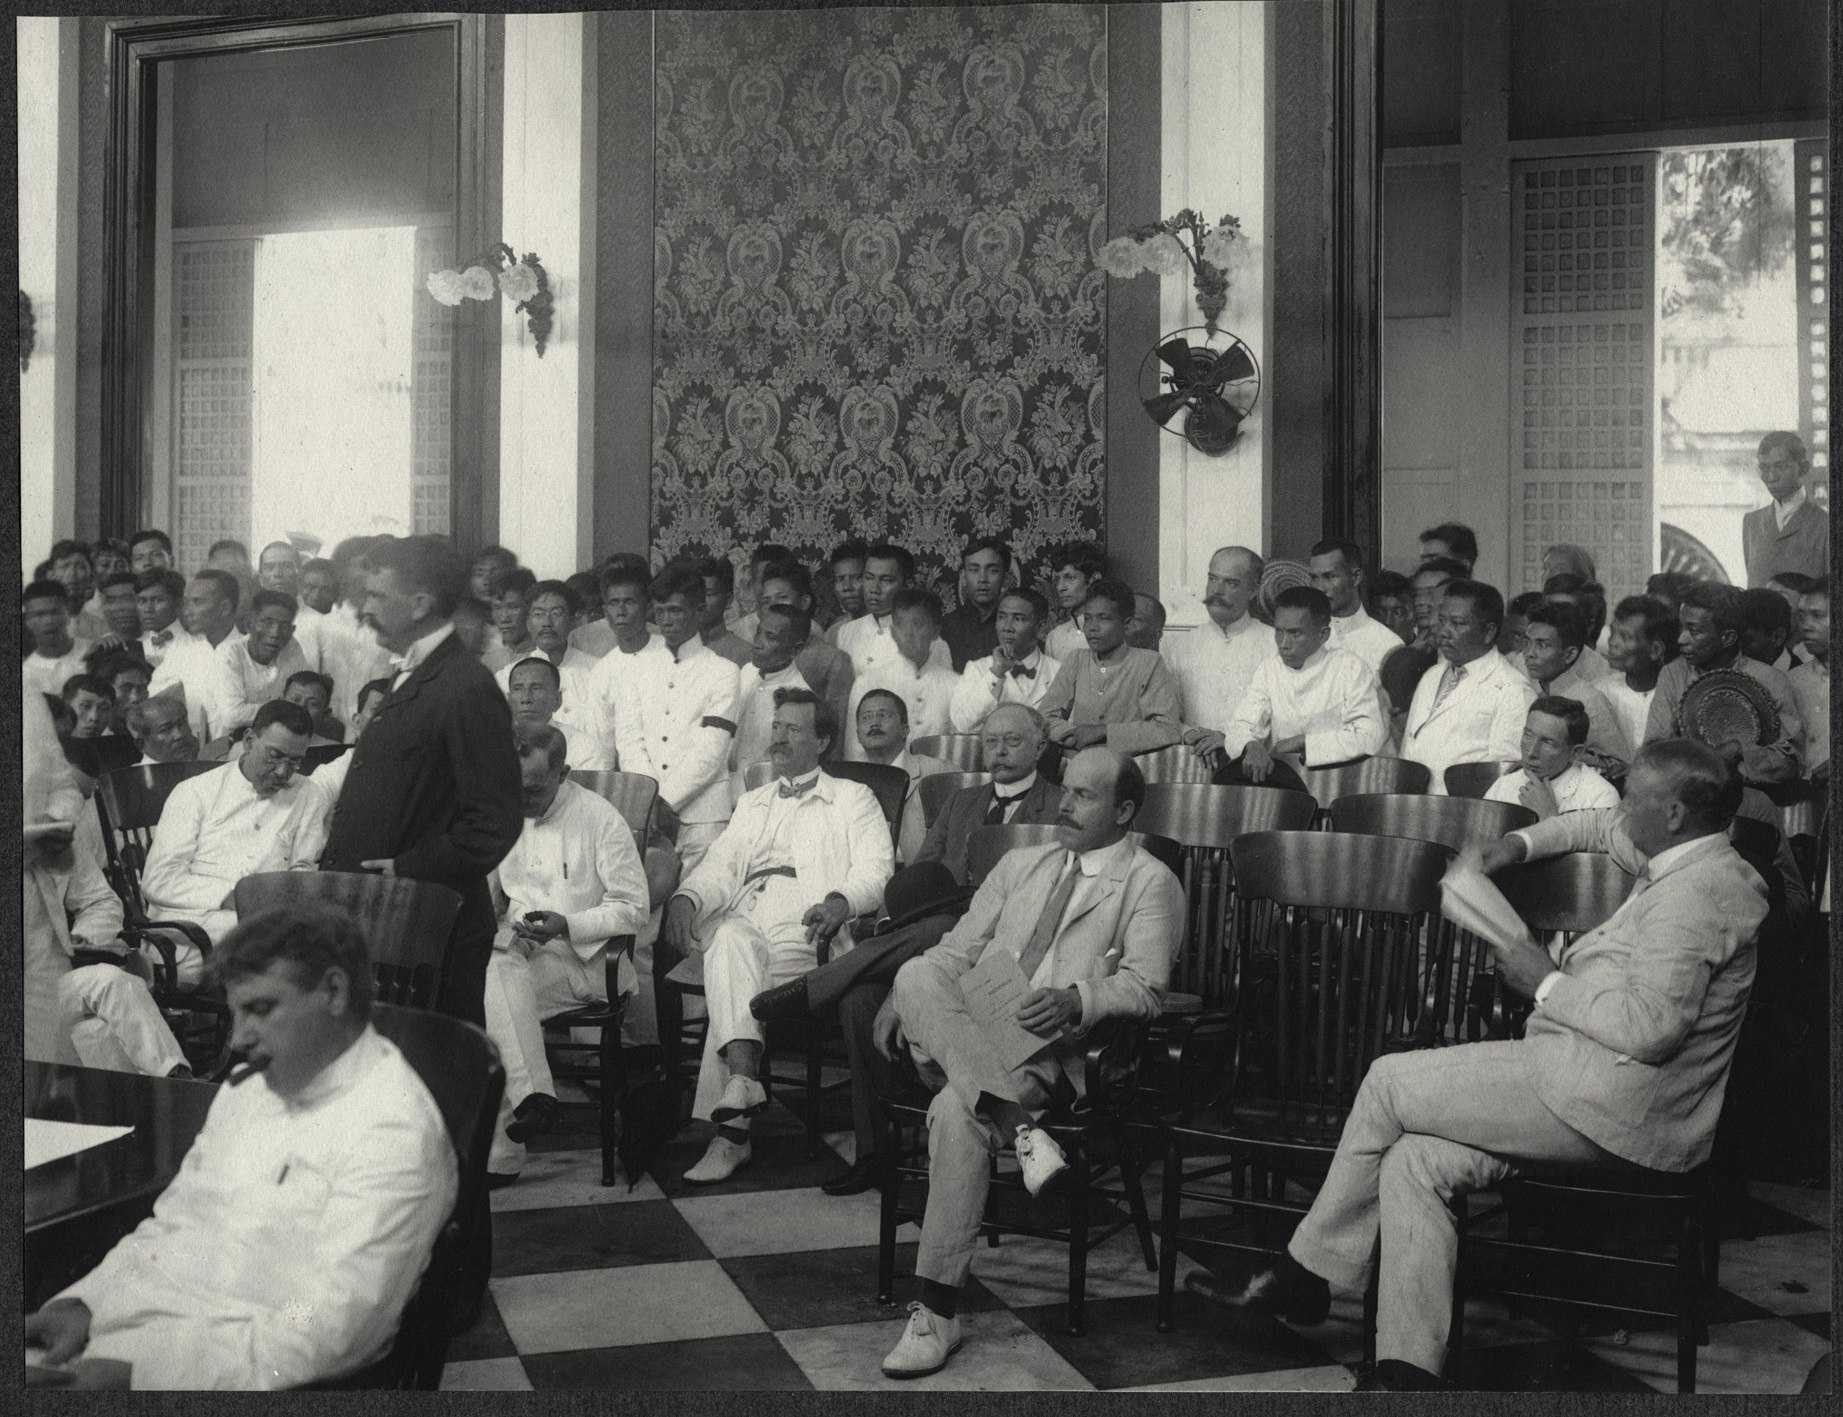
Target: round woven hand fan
x,y
1726,705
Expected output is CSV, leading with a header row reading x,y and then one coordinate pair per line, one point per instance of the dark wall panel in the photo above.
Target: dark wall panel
x,y
1133,144
1421,71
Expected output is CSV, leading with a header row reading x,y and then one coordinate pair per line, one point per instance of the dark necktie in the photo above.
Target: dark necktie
x,y
1045,934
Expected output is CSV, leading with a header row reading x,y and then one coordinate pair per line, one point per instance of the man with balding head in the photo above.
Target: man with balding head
x,y
1624,1061
1215,663
1087,927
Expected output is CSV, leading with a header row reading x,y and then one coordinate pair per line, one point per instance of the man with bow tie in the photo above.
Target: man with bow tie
x,y
433,791
801,857
1624,1062
1093,922
1017,671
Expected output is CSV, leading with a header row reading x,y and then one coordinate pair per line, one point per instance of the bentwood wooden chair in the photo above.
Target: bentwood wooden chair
x,y
1174,764
1332,925
461,1068
986,845
936,789
1327,784
407,923
633,795
963,750
1571,1230
1475,779
1204,820
1455,822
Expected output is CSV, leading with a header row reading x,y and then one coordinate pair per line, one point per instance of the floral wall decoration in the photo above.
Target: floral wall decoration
x,y
877,307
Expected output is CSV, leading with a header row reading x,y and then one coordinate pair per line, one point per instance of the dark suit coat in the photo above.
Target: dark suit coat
x,y
965,813
1803,546
434,786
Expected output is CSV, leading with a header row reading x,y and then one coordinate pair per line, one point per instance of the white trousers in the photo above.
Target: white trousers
x,y
524,986
114,1022
762,944
45,964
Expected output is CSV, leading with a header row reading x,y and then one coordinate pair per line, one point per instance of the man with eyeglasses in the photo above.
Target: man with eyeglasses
x,y
856,984
256,814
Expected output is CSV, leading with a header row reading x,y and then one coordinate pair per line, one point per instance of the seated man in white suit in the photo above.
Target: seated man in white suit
x,y
573,882
802,856
1624,1060
1094,922
1470,706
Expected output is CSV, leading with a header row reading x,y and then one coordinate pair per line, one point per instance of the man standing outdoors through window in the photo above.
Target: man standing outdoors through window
x,y
1793,534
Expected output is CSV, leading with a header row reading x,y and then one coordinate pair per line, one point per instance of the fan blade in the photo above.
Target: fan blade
x,y
1213,424
1233,363
1177,354
1164,405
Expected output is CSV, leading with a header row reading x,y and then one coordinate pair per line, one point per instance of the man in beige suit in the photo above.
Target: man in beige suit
x,y
1094,922
1471,705
1624,1061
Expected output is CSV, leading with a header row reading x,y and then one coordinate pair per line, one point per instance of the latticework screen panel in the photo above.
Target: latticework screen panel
x,y
1811,199
214,289
431,387
1581,379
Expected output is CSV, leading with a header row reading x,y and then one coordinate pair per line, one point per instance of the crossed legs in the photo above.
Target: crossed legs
x,y
1426,1126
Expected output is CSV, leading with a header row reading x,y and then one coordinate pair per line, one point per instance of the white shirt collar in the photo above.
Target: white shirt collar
x,y
418,652
1014,790
1236,628
337,1074
1783,512
1098,861
1313,660
1670,856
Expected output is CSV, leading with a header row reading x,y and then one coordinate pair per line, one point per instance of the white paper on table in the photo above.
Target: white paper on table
x,y
993,990
52,1141
1472,902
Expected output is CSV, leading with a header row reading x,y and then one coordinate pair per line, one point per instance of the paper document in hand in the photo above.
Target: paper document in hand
x,y
1472,902
49,1141
994,990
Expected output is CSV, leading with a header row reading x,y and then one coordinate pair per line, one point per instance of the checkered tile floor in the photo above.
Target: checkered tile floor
x,y
764,1283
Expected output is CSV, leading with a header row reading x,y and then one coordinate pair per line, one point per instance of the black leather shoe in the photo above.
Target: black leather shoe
x,y
1394,1375
499,1180
1288,1291
784,1001
536,1114
859,1176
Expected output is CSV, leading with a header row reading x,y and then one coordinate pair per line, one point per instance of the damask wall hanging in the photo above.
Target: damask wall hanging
x,y
877,309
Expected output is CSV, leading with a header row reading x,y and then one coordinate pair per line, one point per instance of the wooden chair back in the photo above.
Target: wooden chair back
x,y
462,1071
963,750
1173,764
757,775
1475,779
1333,926
319,757
129,802
1204,819
1456,822
1364,775
935,790
406,924
987,845
890,786
631,794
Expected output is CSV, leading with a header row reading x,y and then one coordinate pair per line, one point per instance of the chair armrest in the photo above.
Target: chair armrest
x,y
1203,1053
617,946
1115,1050
147,933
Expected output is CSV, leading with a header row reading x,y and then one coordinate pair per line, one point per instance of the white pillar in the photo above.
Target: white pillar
x,y
546,446
1214,142
47,193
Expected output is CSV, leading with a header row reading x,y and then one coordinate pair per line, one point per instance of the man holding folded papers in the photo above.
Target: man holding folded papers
x,y
1624,1062
1092,924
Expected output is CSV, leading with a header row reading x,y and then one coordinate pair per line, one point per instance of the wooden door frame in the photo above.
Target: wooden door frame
x,y
135,45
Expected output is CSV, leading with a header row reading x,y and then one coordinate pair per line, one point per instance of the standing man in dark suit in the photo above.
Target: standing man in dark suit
x,y
1793,533
856,983
433,792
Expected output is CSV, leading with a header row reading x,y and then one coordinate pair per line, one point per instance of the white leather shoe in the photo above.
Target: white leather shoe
x,y
742,1097
721,1160
925,1346
1039,1158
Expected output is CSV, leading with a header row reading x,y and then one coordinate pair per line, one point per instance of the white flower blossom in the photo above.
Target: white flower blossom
x,y
1219,248
1166,255
1122,257
518,282
445,286
477,283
